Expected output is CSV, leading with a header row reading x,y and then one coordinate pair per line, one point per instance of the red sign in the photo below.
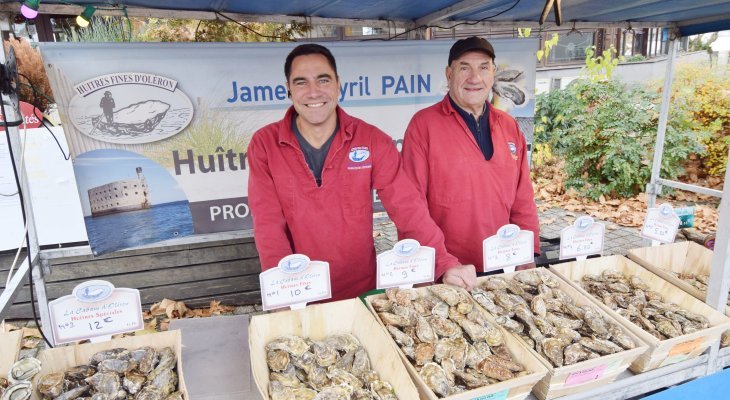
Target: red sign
x,y
32,120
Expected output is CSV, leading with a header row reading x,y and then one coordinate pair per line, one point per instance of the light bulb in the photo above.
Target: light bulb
x,y
82,22
83,19
29,9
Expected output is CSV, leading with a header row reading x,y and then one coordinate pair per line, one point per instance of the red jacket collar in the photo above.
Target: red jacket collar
x,y
447,108
286,135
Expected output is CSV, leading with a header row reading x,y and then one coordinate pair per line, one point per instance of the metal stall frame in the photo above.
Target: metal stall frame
x,y
627,385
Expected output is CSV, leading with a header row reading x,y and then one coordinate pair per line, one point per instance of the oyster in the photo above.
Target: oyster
x,y
600,346
435,378
383,390
446,293
471,378
424,353
133,382
76,393
324,355
486,300
666,328
400,337
24,370
440,309
491,367
399,296
510,324
382,305
553,349
444,327
396,320
575,353
424,331
277,360
293,345
51,384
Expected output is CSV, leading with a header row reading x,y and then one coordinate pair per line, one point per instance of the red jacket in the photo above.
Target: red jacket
x,y
334,222
469,197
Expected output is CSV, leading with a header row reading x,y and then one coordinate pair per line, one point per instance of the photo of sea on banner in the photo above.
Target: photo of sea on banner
x,y
143,367
675,325
332,350
450,347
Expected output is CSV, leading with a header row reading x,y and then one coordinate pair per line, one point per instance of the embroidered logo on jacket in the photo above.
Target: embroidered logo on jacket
x,y
358,157
512,149
359,154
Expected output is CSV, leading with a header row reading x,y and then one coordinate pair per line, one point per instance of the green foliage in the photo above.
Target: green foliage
x,y
102,29
697,43
549,44
634,58
702,91
601,68
605,132
187,30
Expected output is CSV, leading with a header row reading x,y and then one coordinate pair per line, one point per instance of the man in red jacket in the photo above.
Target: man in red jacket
x,y
470,159
310,182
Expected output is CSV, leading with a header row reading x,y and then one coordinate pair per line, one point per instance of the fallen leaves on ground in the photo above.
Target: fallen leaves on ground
x,y
550,192
159,315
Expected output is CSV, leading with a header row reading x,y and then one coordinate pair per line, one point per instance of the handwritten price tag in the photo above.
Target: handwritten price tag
x,y
586,375
295,282
510,247
661,224
407,263
582,239
95,309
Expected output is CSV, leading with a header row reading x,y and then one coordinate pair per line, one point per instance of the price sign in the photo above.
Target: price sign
x,y
661,224
94,310
510,247
407,263
582,239
296,281
585,375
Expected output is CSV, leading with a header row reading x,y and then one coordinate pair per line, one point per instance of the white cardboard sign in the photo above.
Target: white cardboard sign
x,y
95,310
510,247
406,264
295,282
584,238
661,224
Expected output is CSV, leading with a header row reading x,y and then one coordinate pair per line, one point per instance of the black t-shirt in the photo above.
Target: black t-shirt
x,y
314,157
479,127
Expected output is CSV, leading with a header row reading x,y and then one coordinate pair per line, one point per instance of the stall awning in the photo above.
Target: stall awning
x,y
690,16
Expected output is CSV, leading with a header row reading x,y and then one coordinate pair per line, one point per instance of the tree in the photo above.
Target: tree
x,y
188,30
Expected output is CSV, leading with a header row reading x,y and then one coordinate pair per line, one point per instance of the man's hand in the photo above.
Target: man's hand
x,y
525,266
464,276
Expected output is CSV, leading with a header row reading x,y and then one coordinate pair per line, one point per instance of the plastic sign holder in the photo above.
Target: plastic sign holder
x,y
295,282
584,238
95,310
509,248
661,224
408,263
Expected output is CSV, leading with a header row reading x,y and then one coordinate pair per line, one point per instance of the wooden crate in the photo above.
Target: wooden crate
x,y
687,257
320,320
59,359
513,389
661,352
586,374
10,345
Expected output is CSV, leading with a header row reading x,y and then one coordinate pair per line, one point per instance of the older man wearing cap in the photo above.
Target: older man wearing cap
x,y
470,159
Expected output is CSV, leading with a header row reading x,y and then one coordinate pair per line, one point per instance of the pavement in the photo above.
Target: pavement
x,y
618,239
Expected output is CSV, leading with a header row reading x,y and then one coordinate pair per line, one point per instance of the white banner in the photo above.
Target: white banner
x,y
175,120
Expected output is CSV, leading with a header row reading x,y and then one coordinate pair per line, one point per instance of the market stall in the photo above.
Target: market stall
x,y
682,20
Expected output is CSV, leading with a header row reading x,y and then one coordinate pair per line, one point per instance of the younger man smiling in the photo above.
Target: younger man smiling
x,y
311,175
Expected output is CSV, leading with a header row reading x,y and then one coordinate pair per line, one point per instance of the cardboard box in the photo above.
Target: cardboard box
x,y
682,257
320,320
61,358
584,375
10,346
661,352
513,389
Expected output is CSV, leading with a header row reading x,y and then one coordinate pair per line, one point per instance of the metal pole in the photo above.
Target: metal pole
x,y
654,188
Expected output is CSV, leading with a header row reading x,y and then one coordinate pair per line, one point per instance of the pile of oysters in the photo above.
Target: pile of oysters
x,y
447,338
698,281
336,367
18,386
632,298
532,305
117,374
